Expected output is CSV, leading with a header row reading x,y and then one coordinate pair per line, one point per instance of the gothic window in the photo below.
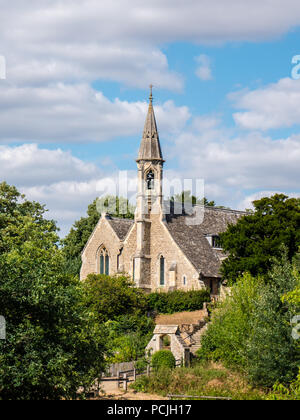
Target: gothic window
x,y
107,265
162,271
150,180
184,280
133,269
104,262
101,264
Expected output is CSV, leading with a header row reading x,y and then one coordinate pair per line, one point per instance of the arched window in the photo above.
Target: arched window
x,y
184,280
107,265
133,269
104,262
150,180
162,271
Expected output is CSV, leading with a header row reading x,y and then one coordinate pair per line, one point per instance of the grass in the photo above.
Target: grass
x,y
180,318
208,379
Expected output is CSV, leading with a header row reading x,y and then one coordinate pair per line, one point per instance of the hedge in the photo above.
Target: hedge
x,y
177,301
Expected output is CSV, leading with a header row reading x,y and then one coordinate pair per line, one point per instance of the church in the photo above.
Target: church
x,y
161,249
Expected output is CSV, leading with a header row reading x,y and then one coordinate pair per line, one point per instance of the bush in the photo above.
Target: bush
x,y
111,297
271,351
128,336
163,359
251,329
230,328
177,301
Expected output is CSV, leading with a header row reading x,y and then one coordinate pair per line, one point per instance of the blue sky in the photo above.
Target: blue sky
x,y
74,100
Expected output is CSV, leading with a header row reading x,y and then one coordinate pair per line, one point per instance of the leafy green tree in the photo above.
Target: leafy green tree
x,y
82,229
128,337
53,344
188,198
111,297
257,237
251,329
230,328
272,352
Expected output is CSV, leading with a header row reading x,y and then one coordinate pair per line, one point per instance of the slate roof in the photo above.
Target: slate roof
x,y
192,238
120,226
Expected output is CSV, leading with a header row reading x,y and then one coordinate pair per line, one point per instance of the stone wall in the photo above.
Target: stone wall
x,y
103,236
162,244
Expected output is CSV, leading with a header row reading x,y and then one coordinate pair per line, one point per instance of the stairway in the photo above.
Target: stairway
x,y
193,340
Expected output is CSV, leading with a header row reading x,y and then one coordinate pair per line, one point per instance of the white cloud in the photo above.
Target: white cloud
x,y
204,67
76,113
30,165
52,41
64,183
232,165
247,202
273,106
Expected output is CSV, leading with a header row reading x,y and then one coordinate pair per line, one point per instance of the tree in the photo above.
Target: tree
x,y
257,237
230,327
186,197
111,297
53,344
82,229
251,329
272,352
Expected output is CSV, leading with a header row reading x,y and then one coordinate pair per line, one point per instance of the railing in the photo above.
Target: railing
x,y
124,377
188,335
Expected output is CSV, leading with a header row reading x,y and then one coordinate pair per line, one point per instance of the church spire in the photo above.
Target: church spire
x,y
150,146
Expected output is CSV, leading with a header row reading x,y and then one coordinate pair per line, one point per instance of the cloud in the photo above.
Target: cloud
x,y
204,69
273,106
233,165
50,41
247,202
30,165
76,113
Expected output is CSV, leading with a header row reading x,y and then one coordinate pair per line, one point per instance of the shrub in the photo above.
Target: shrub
x,y
177,301
111,297
230,328
251,329
271,351
163,359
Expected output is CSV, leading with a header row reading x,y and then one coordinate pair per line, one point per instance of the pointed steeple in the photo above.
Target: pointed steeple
x,y
150,145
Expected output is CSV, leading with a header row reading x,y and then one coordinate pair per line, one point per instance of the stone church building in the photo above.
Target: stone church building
x,y
159,249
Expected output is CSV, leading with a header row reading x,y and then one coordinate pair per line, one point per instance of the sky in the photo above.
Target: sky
x,y
74,87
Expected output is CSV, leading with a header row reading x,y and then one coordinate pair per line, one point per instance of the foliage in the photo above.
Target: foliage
x,y
230,328
110,297
199,380
272,352
188,198
281,392
177,301
251,329
82,229
53,345
257,237
163,359
292,391
128,336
